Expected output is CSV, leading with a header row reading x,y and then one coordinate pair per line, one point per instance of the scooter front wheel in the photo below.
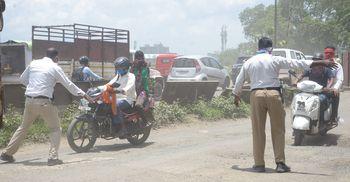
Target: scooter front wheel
x,y
298,137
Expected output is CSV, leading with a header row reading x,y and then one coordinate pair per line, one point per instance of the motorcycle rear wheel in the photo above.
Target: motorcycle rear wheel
x,y
81,135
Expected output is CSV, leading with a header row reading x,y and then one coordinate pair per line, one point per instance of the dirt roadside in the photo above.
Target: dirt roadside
x,y
199,151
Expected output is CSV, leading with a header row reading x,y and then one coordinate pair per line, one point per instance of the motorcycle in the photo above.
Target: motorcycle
x,y
95,121
306,112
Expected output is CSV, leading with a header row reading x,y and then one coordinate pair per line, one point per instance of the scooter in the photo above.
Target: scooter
x,y
306,112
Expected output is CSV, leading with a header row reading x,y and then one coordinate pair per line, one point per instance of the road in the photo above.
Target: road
x,y
193,151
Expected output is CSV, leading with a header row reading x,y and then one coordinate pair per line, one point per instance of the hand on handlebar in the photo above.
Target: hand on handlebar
x,y
336,92
87,97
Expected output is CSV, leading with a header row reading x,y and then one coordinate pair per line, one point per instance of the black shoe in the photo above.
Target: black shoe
x,y
259,169
7,158
53,162
282,167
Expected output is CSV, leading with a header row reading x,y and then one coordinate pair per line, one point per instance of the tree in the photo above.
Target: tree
x,y
306,25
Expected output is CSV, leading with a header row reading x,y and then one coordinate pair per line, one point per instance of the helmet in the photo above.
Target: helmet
x,y
317,56
84,60
122,62
139,55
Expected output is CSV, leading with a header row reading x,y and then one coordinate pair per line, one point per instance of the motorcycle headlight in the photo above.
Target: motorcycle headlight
x,y
84,105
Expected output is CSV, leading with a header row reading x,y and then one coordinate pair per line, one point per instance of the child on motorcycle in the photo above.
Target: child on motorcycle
x,y
323,76
125,93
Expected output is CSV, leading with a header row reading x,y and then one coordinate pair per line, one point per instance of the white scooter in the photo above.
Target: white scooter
x,y
306,112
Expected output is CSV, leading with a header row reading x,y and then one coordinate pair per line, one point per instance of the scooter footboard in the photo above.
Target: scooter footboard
x,y
301,123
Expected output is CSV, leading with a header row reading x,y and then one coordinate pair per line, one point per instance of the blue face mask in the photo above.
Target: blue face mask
x,y
121,72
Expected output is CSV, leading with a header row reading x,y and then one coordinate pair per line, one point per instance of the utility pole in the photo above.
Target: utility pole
x,y
275,30
223,35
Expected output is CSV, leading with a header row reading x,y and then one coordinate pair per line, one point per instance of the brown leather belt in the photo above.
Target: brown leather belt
x,y
268,88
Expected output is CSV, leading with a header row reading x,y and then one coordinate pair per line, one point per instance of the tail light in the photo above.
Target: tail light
x,y
198,67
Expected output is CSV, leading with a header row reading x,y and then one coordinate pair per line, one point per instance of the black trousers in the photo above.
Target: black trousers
x,y
335,106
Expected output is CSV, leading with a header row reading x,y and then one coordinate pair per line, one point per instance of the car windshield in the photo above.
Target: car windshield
x,y
184,63
279,53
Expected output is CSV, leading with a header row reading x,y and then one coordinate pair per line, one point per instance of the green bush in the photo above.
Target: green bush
x,y
168,113
68,115
218,108
12,119
38,132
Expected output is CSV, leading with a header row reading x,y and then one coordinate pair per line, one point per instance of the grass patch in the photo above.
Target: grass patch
x,y
38,132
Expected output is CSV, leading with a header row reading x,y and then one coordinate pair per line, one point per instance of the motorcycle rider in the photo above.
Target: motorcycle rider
x,y
323,76
126,93
329,53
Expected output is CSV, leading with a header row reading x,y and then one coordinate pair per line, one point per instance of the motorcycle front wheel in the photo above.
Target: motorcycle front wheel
x,y
81,135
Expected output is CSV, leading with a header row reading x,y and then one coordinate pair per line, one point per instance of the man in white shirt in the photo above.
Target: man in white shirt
x,y
126,93
329,53
262,70
40,78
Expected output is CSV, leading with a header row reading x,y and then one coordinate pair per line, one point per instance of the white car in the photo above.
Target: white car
x,y
289,54
199,68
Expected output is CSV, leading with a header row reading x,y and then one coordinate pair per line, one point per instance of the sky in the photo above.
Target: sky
x,y
186,26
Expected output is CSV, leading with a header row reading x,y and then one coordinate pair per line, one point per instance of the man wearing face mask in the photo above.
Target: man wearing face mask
x,y
126,93
262,70
40,78
323,76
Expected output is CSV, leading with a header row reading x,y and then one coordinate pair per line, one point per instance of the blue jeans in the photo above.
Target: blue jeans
x,y
122,104
323,106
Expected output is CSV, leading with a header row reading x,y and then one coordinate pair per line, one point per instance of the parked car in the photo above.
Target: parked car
x,y
199,68
308,57
236,68
290,54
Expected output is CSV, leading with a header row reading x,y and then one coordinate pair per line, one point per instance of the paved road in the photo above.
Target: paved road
x,y
196,151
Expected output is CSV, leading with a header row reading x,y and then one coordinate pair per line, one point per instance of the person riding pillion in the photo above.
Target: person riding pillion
x,y
126,94
323,76
329,53
84,73
141,72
